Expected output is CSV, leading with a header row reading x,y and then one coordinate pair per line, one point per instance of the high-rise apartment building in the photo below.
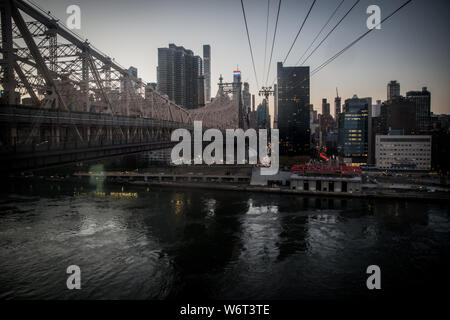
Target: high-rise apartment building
x,y
293,109
207,70
393,89
178,74
376,109
325,107
201,91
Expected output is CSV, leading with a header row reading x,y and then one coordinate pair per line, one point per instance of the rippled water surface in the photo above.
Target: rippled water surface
x,y
139,243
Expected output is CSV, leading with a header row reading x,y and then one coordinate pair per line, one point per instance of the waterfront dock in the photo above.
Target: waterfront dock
x,y
241,182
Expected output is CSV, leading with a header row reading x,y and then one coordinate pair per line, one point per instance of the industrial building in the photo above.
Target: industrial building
x,y
320,178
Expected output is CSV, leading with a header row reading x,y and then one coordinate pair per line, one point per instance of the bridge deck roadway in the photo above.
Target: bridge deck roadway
x,y
48,152
10,161
30,115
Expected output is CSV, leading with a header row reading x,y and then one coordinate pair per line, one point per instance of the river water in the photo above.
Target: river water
x,y
157,243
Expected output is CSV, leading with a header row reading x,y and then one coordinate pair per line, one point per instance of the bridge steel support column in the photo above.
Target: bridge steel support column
x,y
9,82
85,79
53,46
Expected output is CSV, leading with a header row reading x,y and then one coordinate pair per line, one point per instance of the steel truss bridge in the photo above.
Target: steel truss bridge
x,y
64,101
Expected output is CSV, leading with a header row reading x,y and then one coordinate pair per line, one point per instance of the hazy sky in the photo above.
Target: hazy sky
x,y
413,47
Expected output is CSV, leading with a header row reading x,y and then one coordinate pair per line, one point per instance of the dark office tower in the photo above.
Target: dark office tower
x,y
422,99
253,102
201,91
207,70
192,78
393,89
237,95
178,73
355,130
293,109
275,106
337,107
263,115
326,122
246,96
398,116
325,107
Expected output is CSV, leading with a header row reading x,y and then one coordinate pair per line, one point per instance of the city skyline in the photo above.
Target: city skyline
x,y
392,53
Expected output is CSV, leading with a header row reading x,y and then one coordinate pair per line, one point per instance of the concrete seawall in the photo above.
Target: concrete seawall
x,y
247,188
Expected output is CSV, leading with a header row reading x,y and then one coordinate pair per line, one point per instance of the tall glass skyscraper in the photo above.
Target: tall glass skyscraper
x,y
293,109
355,130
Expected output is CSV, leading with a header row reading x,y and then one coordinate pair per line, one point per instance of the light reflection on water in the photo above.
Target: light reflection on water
x,y
158,243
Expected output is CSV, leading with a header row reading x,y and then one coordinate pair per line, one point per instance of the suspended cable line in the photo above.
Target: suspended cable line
x,y
320,32
351,44
323,65
300,30
273,42
331,31
249,43
265,42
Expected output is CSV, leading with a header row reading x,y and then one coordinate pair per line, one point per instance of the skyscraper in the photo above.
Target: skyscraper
x,y
178,74
263,115
337,107
393,89
376,109
293,109
399,115
193,94
422,99
246,97
337,110
355,130
275,106
207,71
325,121
237,95
201,91
325,107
